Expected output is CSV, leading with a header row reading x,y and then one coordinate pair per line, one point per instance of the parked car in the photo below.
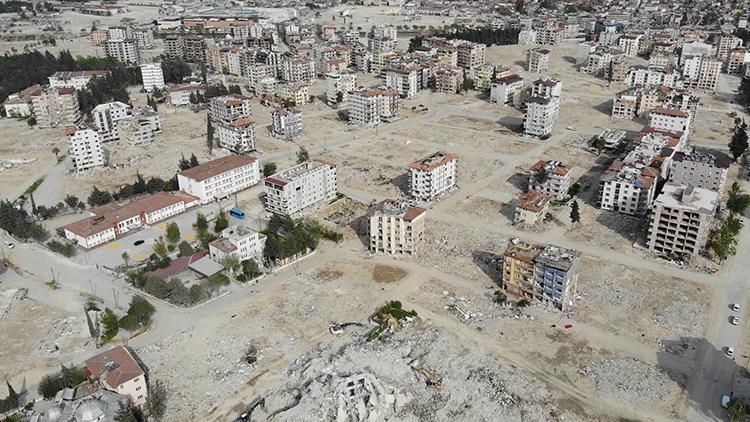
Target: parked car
x,y
735,320
730,351
736,307
725,400
9,245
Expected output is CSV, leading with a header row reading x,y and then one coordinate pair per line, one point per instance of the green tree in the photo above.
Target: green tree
x,y
160,248
111,326
738,411
339,97
193,160
48,386
56,151
201,224
173,233
575,216
221,222
156,401
739,142
185,249
737,202
522,303
98,197
124,413
209,135
269,169
125,258
302,155
723,243
599,144
468,84
12,400
743,96
499,297
231,263
71,201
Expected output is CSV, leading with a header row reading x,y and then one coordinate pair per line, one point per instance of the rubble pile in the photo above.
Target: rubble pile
x,y
413,375
682,317
629,380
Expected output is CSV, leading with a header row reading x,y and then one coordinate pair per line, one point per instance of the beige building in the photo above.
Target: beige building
x,y
531,208
537,60
240,242
705,170
54,107
680,220
117,371
85,148
448,79
372,106
551,178
396,228
300,188
432,176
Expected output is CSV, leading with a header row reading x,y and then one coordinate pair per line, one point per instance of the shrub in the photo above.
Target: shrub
x,y
64,249
185,249
111,326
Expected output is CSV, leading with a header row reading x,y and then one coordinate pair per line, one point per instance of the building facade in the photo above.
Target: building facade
x,y
396,228
219,178
300,188
432,176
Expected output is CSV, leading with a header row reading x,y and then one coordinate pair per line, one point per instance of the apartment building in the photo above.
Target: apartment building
x,y
482,76
106,116
54,107
629,44
537,60
550,177
681,219
298,93
297,69
703,72
613,138
301,188
531,207
404,79
287,123
117,371
339,83
153,76
546,88
114,220
448,79
628,186
237,135
240,242
174,48
671,120
395,228
702,169
179,95
432,176
194,49
653,77
725,44
540,117
384,31
470,55
549,36
372,106
506,90
219,178
19,104
527,37
230,107
546,274
737,60
85,148
74,79
140,127
124,50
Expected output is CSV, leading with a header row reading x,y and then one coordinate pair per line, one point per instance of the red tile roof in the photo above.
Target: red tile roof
x,y
215,167
125,367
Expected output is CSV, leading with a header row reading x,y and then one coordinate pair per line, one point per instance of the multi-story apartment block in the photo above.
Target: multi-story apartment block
x,y
144,36
652,77
124,50
737,60
106,117
76,79
695,48
703,72
237,135
287,123
219,178
671,120
482,76
527,37
118,371
531,208
448,79
629,44
340,83
551,178
240,242
725,44
629,184
371,106
114,220
404,79
661,61
297,69
470,55
680,220
433,176
174,47
540,117
230,107
537,60
396,228
546,88
702,169
153,76
140,127
613,138
194,49
55,107
546,274
297,93
19,104
549,36
506,90
179,95
85,148
384,31
301,188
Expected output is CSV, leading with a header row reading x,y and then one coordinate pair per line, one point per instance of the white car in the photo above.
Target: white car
x,y
730,351
735,320
725,400
9,245
736,307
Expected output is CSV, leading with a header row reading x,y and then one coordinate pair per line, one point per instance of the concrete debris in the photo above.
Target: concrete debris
x,y
629,380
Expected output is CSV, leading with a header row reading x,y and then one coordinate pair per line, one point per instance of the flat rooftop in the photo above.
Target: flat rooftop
x,y
688,198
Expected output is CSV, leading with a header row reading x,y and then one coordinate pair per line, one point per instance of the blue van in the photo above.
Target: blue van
x,y
237,213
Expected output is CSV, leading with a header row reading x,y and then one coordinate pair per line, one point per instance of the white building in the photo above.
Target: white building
x,y
531,208
371,106
287,123
153,76
432,176
527,37
124,50
551,178
395,228
629,44
537,60
85,148
506,90
239,241
179,95
541,115
681,219
653,77
671,120
225,108
219,178
106,116
236,135
301,188
705,170
55,107
139,128
117,371
343,83
404,79
74,79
